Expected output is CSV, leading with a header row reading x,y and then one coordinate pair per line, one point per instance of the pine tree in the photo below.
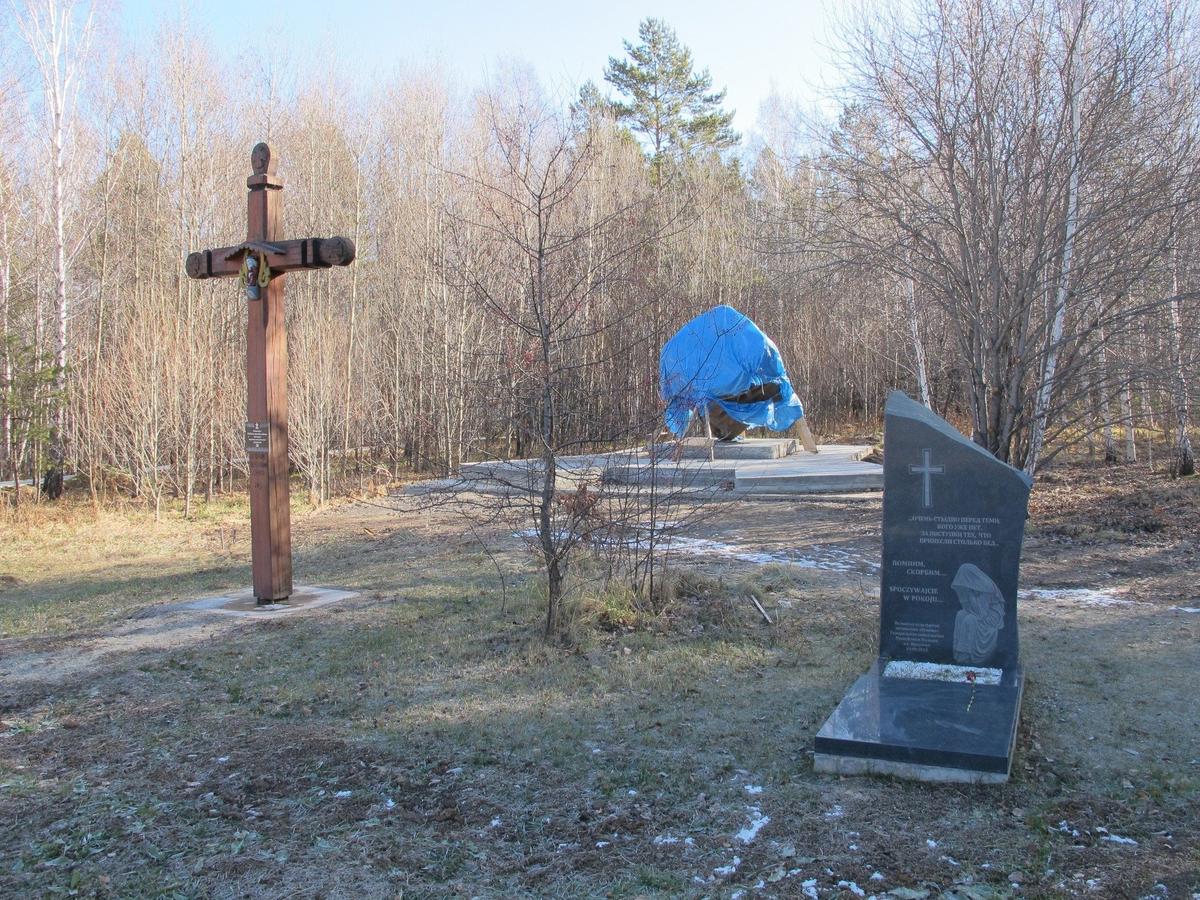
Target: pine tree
x,y
667,103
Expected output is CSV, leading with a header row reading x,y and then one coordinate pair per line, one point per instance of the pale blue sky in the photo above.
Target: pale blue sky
x,y
750,48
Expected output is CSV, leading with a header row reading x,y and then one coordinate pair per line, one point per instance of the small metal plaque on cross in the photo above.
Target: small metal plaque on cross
x,y
258,437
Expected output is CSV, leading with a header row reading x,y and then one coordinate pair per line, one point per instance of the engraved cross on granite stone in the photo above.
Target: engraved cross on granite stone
x,y
926,470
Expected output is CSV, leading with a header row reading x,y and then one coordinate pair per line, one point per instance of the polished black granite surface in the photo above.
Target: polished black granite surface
x,y
931,723
953,523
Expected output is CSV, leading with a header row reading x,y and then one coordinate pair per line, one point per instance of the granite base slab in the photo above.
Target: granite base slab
x,y
905,727
857,765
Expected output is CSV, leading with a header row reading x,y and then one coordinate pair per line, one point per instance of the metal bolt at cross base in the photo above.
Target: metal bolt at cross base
x,y
261,262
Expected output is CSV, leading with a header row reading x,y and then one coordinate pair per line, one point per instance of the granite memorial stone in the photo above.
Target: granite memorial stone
x,y
942,700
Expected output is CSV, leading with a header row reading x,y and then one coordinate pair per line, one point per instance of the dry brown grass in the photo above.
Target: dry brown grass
x,y
481,762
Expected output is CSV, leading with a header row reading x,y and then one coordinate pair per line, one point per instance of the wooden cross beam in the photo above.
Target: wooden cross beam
x,y
262,261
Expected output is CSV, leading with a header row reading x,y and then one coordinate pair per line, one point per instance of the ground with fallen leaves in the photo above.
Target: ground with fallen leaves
x,y
421,740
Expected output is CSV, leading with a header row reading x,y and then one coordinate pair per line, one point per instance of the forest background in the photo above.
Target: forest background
x,y
1001,220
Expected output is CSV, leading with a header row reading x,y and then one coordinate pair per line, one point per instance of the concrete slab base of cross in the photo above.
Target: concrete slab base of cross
x,y
242,603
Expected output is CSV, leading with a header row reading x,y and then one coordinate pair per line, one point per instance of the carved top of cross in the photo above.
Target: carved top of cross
x,y
262,160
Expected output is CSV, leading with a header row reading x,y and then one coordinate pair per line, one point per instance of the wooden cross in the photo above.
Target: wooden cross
x,y
261,262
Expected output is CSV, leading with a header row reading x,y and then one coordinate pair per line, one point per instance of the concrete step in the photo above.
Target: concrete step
x,y
816,483
751,448
675,476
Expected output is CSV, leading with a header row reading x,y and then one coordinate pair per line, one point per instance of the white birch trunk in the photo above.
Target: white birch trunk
x,y
1127,418
1046,389
48,31
5,282
914,331
1103,400
1184,456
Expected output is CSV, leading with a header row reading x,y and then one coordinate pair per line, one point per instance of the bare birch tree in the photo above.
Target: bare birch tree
x,y
58,33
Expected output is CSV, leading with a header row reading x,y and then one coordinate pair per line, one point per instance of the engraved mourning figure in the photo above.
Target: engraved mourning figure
x,y
978,623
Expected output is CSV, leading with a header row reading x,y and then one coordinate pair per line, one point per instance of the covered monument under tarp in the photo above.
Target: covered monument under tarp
x,y
722,363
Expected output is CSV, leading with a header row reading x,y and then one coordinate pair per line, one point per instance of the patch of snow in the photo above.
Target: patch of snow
x,y
810,888
1078,596
495,823
836,812
342,795
726,871
664,839
389,803
1189,609
222,759
1067,829
877,876
930,843
631,792
753,789
638,536
710,548
950,860
1118,839
852,888
691,842
829,559
738,894
927,671
600,845
757,822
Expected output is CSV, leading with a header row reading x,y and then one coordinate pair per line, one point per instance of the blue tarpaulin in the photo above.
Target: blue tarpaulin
x,y
721,354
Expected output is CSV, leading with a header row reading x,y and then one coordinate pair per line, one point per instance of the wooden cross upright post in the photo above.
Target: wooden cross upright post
x,y
262,262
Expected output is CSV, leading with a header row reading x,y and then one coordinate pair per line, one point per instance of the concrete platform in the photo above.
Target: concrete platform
x,y
837,467
242,603
747,467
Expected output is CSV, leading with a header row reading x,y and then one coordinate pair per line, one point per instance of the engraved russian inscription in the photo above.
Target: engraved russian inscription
x,y
258,437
